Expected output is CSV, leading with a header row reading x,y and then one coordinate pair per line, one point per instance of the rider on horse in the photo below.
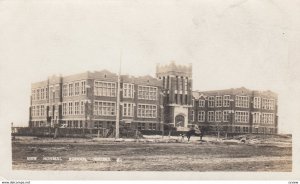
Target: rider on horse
x,y
197,129
194,131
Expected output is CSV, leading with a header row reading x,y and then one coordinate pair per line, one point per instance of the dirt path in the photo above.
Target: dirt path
x,y
151,156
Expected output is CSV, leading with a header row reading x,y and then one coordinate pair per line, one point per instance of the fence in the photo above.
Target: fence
x,y
62,132
73,132
84,132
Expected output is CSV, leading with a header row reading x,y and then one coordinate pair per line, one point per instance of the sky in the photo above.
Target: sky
x,y
231,43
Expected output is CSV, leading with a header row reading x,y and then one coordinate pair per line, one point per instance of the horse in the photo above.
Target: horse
x,y
193,132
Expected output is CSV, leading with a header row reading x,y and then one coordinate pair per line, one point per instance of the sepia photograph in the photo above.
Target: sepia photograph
x,y
149,89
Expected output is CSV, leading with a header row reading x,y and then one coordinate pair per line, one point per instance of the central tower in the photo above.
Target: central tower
x,y
177,89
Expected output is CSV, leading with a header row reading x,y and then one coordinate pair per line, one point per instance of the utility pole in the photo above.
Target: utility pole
x,y
118,100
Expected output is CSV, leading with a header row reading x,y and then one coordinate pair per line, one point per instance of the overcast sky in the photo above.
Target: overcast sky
x,y
230,44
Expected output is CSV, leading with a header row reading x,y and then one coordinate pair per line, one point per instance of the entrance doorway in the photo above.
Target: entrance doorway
x,y
179,121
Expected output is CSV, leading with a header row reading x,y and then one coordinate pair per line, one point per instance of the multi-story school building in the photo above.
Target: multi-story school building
x,y
88,100
235,110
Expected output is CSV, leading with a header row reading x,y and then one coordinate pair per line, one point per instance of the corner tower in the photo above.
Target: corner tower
x,y
177,88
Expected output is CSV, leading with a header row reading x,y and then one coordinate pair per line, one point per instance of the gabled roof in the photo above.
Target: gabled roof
x,y
232,91
199,95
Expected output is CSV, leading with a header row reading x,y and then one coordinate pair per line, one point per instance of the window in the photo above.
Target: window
x,y
33,94
218,116
56,112
218,101
185,84
76,108
201,103
211,101
168,82
245,129
226,116
50,110
241,116
268,104
242,101
264,103
46,93
226,101
180,82
105,88
70,108
147,92
128,109
77,88
152,126
65,90
201,116
64,109
51,93
147,111
83,88
141,126
98,124
96,107
82,107
37,110
57,91
42,93
256,117
268,118
38,94
69,124
33,111
237,129
42,110
104,108
70,89
257,102
211,116
128,90
271,104
193,102
193,115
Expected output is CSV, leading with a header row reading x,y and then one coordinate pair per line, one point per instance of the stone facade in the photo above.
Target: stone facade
x,y
235,110
177,91
88,100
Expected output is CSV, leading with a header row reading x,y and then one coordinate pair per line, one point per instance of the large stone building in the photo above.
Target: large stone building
x,y
235,110
88,100
177,93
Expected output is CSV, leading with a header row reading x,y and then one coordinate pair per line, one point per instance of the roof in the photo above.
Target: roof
x,y
234,91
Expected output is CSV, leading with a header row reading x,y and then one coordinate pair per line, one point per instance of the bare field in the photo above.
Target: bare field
x,y
142,156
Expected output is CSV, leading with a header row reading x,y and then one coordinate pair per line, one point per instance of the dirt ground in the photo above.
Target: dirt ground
x,y
151,156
